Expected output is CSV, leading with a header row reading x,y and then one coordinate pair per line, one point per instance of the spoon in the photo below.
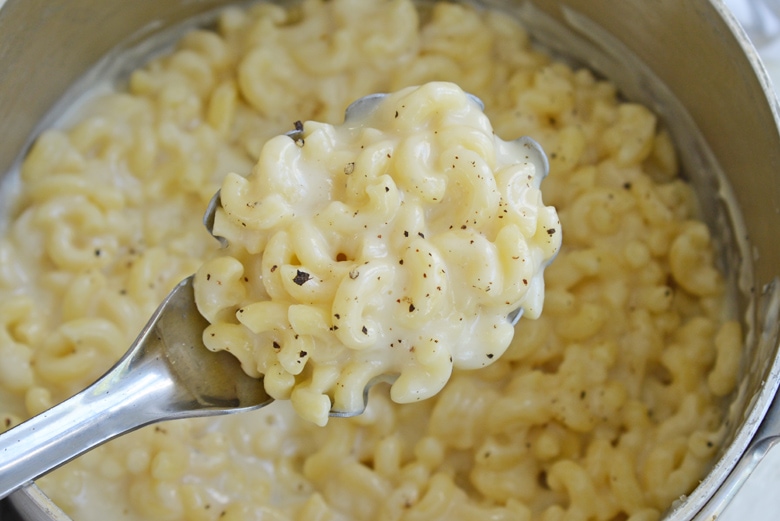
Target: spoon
x,y
166,374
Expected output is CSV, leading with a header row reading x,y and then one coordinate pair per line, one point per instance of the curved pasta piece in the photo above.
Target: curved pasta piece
x,y
253,211
219,287
78,348
278,252
266,74
353,300
278,383
427,283
16,371
476,139
294,352
516,264
371,162
349,391
431,101
689,252
414,171
76,235
106,198
234,339
309,320
472,194
306,285
474,262
263,316
312,249
520,199
52,152
427,377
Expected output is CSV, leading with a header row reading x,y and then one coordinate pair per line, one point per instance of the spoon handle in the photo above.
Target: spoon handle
x,y
115,404
167,374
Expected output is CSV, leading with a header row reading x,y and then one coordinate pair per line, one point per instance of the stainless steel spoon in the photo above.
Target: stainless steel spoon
x,y
166,374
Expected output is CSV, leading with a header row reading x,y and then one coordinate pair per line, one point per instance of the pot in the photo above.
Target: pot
x,y
687,60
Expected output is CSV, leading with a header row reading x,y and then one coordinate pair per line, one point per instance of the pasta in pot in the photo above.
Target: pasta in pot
x,y
607,407
396,243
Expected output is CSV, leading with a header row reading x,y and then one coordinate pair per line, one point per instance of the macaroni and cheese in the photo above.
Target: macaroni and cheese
x,y
396,243
607,407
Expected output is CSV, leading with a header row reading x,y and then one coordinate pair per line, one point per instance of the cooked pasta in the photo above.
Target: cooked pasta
x,y
607,407
397,243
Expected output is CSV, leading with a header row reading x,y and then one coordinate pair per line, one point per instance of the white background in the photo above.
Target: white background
x,y
759,499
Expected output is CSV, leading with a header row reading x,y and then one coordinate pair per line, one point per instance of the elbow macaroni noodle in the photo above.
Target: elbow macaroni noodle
x,y
609,406
396,243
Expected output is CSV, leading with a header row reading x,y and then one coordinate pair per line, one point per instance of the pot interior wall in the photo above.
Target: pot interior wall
x,y
47,46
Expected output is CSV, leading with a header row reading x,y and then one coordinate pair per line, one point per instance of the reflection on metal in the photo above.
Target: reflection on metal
x,y
759,18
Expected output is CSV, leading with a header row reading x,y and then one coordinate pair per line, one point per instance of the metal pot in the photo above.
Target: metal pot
x,y
687,59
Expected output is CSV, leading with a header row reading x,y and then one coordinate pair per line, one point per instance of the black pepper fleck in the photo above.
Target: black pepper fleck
x,y
301,277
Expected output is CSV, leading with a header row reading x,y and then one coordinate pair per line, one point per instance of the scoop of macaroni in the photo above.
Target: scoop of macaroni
x,y
396,243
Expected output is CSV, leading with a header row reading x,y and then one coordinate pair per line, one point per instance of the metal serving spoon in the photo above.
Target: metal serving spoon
x,y
166,374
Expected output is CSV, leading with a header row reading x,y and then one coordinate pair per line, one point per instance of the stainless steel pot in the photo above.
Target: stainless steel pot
x,y
687,59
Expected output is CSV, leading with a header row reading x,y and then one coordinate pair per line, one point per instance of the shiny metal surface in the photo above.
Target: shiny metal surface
x,y
686,59
30,503
167,374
